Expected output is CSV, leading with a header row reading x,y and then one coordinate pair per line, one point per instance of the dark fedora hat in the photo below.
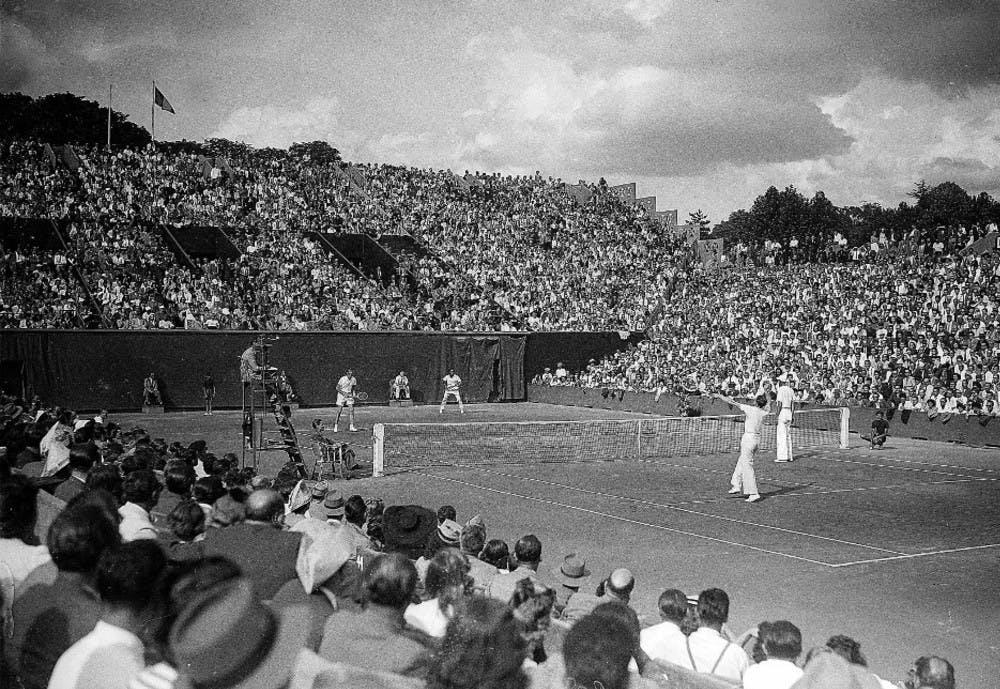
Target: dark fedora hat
x,y
226,637
407,526
573,571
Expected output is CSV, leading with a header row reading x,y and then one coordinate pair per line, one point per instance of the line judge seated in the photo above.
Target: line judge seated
x,y
399,387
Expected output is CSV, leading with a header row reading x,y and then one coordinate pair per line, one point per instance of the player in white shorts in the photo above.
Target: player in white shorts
x,y
744,479
345,397
452,384
785,398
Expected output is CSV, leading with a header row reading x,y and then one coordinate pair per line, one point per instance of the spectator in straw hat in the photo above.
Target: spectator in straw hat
x,y
318,494
447,535
333,506
569,576
227,638
406,529
299,501
616,588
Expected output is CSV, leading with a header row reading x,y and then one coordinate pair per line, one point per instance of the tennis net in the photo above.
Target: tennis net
x,y
400,446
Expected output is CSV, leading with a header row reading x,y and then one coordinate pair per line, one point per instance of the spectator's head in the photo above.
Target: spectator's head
x,y
178,477
761,401
126,578
186,520
264,506
106,477
141,488
496,553
473,539
931,672
355,510
208,489
619,584
528,551
673,606
597,650
18,508
227,511
781,640
482,647
446,512
389,580
713,608
848,649
447,575
79,535
83,456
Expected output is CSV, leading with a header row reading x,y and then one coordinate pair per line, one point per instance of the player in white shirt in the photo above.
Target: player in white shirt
x,y
345,397
786,398
744,479
452,385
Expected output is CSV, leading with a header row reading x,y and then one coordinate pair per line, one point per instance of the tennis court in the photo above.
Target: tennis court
x,y
899,548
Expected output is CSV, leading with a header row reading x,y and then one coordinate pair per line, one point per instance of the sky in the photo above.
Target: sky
x,y
702,103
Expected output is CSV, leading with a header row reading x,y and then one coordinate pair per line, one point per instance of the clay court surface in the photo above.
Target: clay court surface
x,y
898,548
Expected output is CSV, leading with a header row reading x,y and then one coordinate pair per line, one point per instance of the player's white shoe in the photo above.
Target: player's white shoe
x,y
754,498
334,428
353,429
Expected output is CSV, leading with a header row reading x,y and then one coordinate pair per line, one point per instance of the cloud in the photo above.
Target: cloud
x,y
281,126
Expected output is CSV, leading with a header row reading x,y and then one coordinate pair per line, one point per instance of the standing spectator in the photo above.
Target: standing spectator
x,y
781,643
111,655
208,390
141,491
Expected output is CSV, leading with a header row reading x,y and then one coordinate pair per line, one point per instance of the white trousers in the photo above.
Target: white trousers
x,y
744,477
784,436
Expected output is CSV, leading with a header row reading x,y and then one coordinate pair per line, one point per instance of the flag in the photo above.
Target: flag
x,y
161,100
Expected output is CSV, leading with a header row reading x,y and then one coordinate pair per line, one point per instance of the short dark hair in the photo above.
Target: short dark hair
x,y
140,487
446,512
79,535
18,507
713,606
496,553
178,477
781,639
186,520
83,456
127,575
597,651
847,648
106,477
528,549
473,539
208,489
673,605
390,580
355,510
934,672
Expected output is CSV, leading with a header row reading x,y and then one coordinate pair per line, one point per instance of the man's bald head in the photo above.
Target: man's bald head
x,y
264,505
933,672
620,583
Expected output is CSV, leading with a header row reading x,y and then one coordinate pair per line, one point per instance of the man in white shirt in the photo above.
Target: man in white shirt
x,y
401,387
665,641
452,387
707,650
782,644
111,655
785,397
345,396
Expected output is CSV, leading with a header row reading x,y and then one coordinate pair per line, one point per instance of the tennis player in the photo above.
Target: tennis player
x,y
345,397
452,385
785,397
744,479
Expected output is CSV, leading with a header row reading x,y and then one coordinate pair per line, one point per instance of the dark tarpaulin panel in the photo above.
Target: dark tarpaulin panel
x,y
89,369
512,367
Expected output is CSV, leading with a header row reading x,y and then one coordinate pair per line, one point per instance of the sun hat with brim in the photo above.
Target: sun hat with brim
x,y
323,551
226,637
407,525
301,495
450,532
573,571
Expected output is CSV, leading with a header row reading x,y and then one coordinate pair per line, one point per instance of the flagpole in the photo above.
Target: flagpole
x,y
109,117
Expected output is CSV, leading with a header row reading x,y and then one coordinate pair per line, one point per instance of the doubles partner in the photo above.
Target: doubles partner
x,y
744,479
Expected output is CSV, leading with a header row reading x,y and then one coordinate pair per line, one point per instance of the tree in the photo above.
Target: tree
x,y
62,118
317,152
700,219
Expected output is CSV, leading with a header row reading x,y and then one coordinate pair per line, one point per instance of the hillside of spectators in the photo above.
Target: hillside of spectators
x,y
162,564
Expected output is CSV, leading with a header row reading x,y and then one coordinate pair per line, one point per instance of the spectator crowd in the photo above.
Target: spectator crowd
x,y
164,565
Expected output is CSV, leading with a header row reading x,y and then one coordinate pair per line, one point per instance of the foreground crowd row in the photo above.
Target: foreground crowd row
x,y
166,566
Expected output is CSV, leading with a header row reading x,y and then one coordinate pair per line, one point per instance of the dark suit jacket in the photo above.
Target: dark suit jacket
x,y
265,553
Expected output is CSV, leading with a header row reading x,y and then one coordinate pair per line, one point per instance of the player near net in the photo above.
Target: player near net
x,y
785,398
452,387
744,479
345,397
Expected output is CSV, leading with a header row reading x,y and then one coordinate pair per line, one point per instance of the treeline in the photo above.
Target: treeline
x,y
781,216
62,118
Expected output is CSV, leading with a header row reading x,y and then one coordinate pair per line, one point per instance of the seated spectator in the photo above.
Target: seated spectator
x,y
205,491
596,652
708,651
52,616
781,643
496,553
850,650
472,541
483,647
616,588
665,641
376,636
931,672
880,430
111,655
178,477
151,391
571,575
82,457
406,529
264,552
140,490
533,605
447,535
446,586
19,551
527,557
184,530
399,388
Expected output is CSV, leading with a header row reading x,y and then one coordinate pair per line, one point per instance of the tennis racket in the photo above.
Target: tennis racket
x,y
360,395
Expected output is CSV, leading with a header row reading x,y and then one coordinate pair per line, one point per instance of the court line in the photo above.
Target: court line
x,y
606,515
898,486
937,464
899,468
916,555
650,503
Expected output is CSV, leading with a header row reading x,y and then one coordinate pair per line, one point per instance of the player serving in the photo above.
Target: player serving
x,y
744,479
452,384
345,397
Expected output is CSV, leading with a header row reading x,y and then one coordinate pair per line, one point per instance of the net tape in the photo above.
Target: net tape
x,y
409,445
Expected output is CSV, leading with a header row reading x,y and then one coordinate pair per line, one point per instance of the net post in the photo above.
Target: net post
x,y
378,450
845,427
